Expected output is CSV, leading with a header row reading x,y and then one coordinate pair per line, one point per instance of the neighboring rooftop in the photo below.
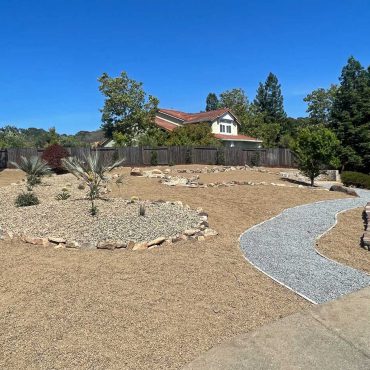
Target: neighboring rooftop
x,y
196,117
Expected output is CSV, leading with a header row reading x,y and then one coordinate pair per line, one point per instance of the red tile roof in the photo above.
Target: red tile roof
x,y
165,124
196,117
236,137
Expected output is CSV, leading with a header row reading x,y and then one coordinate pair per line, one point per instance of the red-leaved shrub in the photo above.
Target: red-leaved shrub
x,y
53,154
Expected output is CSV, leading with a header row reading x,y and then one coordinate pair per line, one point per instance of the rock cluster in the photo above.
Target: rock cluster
x,y
343,189
157,173
193,182
326,175
365,240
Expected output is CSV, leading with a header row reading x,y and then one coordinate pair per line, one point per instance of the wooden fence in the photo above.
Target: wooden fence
x,y
143,156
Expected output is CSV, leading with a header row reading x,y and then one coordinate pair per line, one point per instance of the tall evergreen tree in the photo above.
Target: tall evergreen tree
x,y
269,100
350,116
211,102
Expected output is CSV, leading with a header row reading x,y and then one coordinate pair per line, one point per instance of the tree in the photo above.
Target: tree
x,y
320,103
193,134
350,115
211,102
126,109
153,137
236,100
53,136
315,148
269,100
12,137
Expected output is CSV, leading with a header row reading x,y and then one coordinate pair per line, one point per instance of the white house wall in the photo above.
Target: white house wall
x,y
216,127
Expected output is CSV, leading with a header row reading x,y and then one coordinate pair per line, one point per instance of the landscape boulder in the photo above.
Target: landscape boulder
x,y
140,246
136,172
343,189
111,244
156,241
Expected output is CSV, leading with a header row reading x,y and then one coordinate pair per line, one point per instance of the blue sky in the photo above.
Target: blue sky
x,y
53,51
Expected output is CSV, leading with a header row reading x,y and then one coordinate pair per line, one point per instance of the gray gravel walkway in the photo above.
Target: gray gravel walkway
x,y
284,249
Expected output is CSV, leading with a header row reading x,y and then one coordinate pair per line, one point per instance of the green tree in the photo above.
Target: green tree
x,y
315,148
350,115
153,137
193,134
53,136
211,102
127,109
320,104
269,100
12,137
237,101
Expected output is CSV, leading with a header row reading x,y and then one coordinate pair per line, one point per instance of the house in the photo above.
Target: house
x,y
225,125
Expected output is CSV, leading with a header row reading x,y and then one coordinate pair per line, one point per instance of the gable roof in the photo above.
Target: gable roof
x,y
236,138
197,117
164,124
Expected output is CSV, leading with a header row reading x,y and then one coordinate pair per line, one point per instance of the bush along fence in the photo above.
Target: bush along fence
x,y
145,156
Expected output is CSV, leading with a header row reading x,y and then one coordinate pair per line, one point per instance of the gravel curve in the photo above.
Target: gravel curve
x,y
284,249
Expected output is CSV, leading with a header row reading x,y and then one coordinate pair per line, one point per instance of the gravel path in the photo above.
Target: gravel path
x,y
284,249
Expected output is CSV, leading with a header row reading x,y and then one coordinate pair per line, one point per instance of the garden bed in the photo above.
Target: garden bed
x,y
118,223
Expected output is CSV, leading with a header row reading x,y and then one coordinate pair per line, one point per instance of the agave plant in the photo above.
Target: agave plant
x,y
92,172
35,168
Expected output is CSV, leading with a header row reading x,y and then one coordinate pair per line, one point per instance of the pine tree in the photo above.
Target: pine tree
x,y
269,100
350,116
211,102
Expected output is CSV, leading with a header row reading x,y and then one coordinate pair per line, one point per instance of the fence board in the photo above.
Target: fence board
x,y
139,156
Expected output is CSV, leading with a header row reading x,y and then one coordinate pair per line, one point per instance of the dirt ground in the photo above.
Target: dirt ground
x,y
342,243
156,309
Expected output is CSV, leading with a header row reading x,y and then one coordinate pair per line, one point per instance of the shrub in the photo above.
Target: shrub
x,y
26,200
53,155
63,195
153,158
256,159
220,157
188,158
92,172
34,168
357,179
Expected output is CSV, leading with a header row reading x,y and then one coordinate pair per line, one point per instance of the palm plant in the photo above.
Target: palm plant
x,y
35,168
92,172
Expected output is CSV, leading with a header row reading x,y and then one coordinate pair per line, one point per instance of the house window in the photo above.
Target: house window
x,y
225,128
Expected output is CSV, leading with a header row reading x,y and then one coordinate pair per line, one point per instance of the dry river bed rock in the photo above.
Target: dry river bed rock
x,y
117,220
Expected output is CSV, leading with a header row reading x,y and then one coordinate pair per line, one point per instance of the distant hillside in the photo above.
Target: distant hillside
x,y
90,136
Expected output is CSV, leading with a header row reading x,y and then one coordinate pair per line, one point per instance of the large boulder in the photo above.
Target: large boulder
x,y
343,189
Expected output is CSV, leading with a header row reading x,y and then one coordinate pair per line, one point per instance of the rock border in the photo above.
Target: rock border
x,y
199,233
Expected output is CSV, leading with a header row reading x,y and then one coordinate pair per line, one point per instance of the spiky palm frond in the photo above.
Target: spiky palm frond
x,y
91,166
33,166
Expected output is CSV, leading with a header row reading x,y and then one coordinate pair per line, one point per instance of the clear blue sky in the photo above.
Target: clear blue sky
x,y
53,51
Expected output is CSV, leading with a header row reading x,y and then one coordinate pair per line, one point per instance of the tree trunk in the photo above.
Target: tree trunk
x,y
312,181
